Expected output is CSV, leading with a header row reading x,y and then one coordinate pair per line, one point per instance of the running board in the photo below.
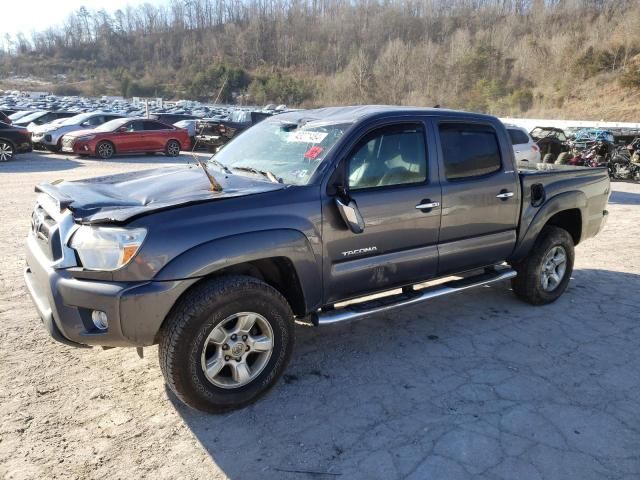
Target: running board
x,y
372,307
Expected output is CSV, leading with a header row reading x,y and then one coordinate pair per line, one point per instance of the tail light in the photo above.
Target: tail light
x,y
535,148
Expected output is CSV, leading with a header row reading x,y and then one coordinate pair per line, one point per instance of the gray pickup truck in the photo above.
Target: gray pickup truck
x,y
303,218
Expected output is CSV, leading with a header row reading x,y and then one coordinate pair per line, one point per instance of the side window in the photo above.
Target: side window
x,y
389,156
135,126
518,137
469,150
97,120
149,125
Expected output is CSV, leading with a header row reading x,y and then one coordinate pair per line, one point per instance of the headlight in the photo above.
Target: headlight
x,y
86,138
106,248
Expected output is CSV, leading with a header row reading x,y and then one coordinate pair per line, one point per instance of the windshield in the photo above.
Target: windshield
x,y
112,125
31,116
289,151
20,114
77,119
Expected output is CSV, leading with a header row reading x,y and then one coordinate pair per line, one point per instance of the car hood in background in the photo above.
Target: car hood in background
x,y
119,198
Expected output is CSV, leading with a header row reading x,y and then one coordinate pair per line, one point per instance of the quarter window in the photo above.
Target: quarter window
x,y
469,150
389,156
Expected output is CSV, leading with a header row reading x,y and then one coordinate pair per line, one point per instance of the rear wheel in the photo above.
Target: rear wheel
x,y
544,275
6,151
226,343
105,150
172,149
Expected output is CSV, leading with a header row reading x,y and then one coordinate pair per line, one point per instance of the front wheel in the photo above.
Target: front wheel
x,y
544,275
6,151
226,343
105,150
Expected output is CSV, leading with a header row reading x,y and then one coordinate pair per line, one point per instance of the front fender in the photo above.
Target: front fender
x,y
534,220
215,255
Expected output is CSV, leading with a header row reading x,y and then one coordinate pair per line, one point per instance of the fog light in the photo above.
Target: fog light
x,y
86,148
100,319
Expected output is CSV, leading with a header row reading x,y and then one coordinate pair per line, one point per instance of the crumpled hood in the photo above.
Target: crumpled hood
x,y
119,198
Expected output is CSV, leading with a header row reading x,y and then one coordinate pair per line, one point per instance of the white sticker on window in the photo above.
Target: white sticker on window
x,y
306,136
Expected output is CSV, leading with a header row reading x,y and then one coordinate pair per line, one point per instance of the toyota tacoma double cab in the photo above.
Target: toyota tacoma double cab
x,y
318,217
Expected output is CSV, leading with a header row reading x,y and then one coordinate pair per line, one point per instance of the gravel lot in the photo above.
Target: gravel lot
x,y
473,386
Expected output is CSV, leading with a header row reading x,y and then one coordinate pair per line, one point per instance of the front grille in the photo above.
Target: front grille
x,y
44,229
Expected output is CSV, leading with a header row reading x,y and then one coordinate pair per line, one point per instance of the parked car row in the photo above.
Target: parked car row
x,y
85,126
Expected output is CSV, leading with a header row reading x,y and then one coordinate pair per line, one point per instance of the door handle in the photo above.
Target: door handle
x,y
504,195
427,205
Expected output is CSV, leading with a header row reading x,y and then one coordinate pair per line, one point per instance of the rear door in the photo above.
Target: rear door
x,y
156,135
390,173
480,195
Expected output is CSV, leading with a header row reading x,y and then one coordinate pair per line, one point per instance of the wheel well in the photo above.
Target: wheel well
x,y
278,272
571,221
174,140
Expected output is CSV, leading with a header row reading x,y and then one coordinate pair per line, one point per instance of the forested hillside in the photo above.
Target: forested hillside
x,y
507,57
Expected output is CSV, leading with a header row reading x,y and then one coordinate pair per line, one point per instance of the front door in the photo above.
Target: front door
x,y
480,196
393,179
132,139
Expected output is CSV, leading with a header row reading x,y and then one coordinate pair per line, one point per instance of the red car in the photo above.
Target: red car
x,y
127,135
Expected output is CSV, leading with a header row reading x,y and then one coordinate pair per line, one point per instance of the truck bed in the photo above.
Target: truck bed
x,y
587,185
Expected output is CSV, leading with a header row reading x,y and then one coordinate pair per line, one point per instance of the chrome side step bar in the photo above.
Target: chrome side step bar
x,y
384,304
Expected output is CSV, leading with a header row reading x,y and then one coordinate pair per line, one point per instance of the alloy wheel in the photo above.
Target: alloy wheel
x,y
237,350
6,152
554,267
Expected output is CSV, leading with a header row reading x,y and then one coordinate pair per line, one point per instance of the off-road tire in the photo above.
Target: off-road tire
x,y
172,149
527,285
189,323
105,153
563,158
548,158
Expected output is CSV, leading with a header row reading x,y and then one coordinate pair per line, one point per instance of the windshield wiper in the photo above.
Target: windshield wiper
x,y
265,173
220,164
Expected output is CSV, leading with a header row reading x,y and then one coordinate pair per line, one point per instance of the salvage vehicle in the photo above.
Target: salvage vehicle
x,y
301,218
552,143
212,134
13,140
127,135
525,148
49,136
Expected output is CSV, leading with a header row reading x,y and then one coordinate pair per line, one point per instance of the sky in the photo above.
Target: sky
x,y
28,15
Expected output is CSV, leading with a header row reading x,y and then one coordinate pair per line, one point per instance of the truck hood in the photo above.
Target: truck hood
x,y
120,198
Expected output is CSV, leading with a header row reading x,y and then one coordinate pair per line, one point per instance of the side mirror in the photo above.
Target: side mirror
x,y
123,130
350,214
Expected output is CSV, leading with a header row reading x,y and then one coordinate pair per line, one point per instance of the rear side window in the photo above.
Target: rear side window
x,y
518,137
149,125
469,150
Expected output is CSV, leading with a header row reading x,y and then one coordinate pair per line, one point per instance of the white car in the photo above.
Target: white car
x,y
524,147
49,136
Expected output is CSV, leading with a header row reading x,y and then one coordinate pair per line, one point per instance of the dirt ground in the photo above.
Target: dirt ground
x,y
473,386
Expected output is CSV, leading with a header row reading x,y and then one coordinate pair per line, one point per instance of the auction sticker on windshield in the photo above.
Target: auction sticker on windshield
x,y
306,136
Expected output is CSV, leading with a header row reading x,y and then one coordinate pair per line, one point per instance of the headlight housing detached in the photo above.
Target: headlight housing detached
x,y
106,248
